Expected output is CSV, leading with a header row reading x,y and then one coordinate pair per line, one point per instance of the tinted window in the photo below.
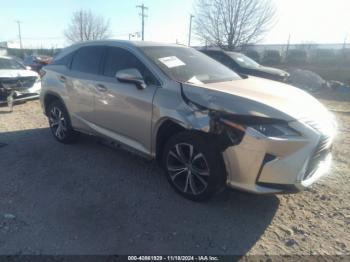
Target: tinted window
x,y
222,58
188,65
243,60
87,59
118,59
65,60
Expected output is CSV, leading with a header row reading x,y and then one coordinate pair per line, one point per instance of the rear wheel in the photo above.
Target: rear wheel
x,y
194,167
60,124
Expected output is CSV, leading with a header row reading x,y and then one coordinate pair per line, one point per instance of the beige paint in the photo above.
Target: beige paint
x,y
133,117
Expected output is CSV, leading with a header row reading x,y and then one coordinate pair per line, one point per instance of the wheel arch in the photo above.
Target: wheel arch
x,y
49,97
166,128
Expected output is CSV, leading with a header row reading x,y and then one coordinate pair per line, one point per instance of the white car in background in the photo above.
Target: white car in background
x,y
17,82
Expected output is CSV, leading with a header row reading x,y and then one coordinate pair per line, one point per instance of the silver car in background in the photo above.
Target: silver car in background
x,y
208,127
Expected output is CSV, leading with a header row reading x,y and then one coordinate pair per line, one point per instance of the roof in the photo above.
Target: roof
x,y
214,48
125,43
111,42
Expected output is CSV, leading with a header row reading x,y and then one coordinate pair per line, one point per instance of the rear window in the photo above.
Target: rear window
x,y
87,59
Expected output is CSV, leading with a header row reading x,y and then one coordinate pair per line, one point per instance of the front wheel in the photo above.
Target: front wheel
x,y
60,124
194,167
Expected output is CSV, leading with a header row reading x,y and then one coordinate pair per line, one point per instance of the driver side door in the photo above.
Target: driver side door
x,y
122,111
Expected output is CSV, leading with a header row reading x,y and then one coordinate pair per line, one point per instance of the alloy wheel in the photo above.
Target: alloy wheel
x,y
188,169
58,123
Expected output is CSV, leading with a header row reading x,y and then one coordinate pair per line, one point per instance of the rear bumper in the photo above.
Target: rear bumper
x,y
265,165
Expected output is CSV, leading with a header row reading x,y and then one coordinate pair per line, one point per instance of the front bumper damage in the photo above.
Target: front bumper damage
x,y
265,165
19,89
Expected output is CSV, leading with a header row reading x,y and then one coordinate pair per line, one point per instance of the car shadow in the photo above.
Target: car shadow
x,y
87,198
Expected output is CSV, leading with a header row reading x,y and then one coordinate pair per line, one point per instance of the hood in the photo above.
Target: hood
x,y
272,71
11,73
257,97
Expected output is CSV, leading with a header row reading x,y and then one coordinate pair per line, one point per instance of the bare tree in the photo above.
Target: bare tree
x,y
85,26
233,23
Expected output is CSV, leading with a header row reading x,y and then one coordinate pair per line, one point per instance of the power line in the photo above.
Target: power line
x,y
19,33
143,8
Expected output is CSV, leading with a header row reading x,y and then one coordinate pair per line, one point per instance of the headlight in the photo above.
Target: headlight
x,y
280,129
276,130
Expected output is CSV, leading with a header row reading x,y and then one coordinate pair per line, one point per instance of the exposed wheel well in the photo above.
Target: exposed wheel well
x,y
165,131
170,128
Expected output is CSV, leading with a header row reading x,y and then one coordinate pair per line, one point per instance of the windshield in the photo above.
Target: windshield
x,y
10,64
243,61
188,65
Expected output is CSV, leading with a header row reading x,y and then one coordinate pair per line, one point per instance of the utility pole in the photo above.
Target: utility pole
x,y
143,15
288,44
19,33
344,44
190,30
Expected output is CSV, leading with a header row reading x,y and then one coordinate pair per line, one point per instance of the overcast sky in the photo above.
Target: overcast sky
x,y
44,21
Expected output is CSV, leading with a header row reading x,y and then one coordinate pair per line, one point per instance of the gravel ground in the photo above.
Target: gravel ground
x,y
87,198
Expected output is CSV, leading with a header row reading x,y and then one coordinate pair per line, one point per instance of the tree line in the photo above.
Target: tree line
x,y
225,23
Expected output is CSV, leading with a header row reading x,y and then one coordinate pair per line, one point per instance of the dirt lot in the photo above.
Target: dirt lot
x,y
90,199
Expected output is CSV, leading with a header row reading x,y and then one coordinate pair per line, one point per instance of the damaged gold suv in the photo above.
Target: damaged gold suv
x,y
206,125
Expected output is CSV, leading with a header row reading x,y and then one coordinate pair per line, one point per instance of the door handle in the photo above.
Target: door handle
x,y
101,88
63,79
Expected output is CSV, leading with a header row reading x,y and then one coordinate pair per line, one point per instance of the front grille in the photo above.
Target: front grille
x,y
320,153
17,83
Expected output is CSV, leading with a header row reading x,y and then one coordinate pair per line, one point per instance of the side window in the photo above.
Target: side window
x,y
65,60
118,59
87,59
222,58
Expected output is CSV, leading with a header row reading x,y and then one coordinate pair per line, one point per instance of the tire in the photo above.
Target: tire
x,y
193,166
60,123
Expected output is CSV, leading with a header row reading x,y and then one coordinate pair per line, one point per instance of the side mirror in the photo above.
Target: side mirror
x,y
133,76
28,68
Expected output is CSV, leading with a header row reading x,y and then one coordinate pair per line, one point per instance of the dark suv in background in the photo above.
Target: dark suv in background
x,y
245,65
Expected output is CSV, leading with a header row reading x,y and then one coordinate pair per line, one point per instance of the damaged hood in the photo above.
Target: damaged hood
x,y
257,97
15,73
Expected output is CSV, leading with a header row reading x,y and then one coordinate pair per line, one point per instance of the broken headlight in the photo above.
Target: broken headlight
x,y
276,130
281,129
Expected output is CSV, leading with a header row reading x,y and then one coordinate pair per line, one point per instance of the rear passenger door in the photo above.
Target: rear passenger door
x,y
122,111
82,80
